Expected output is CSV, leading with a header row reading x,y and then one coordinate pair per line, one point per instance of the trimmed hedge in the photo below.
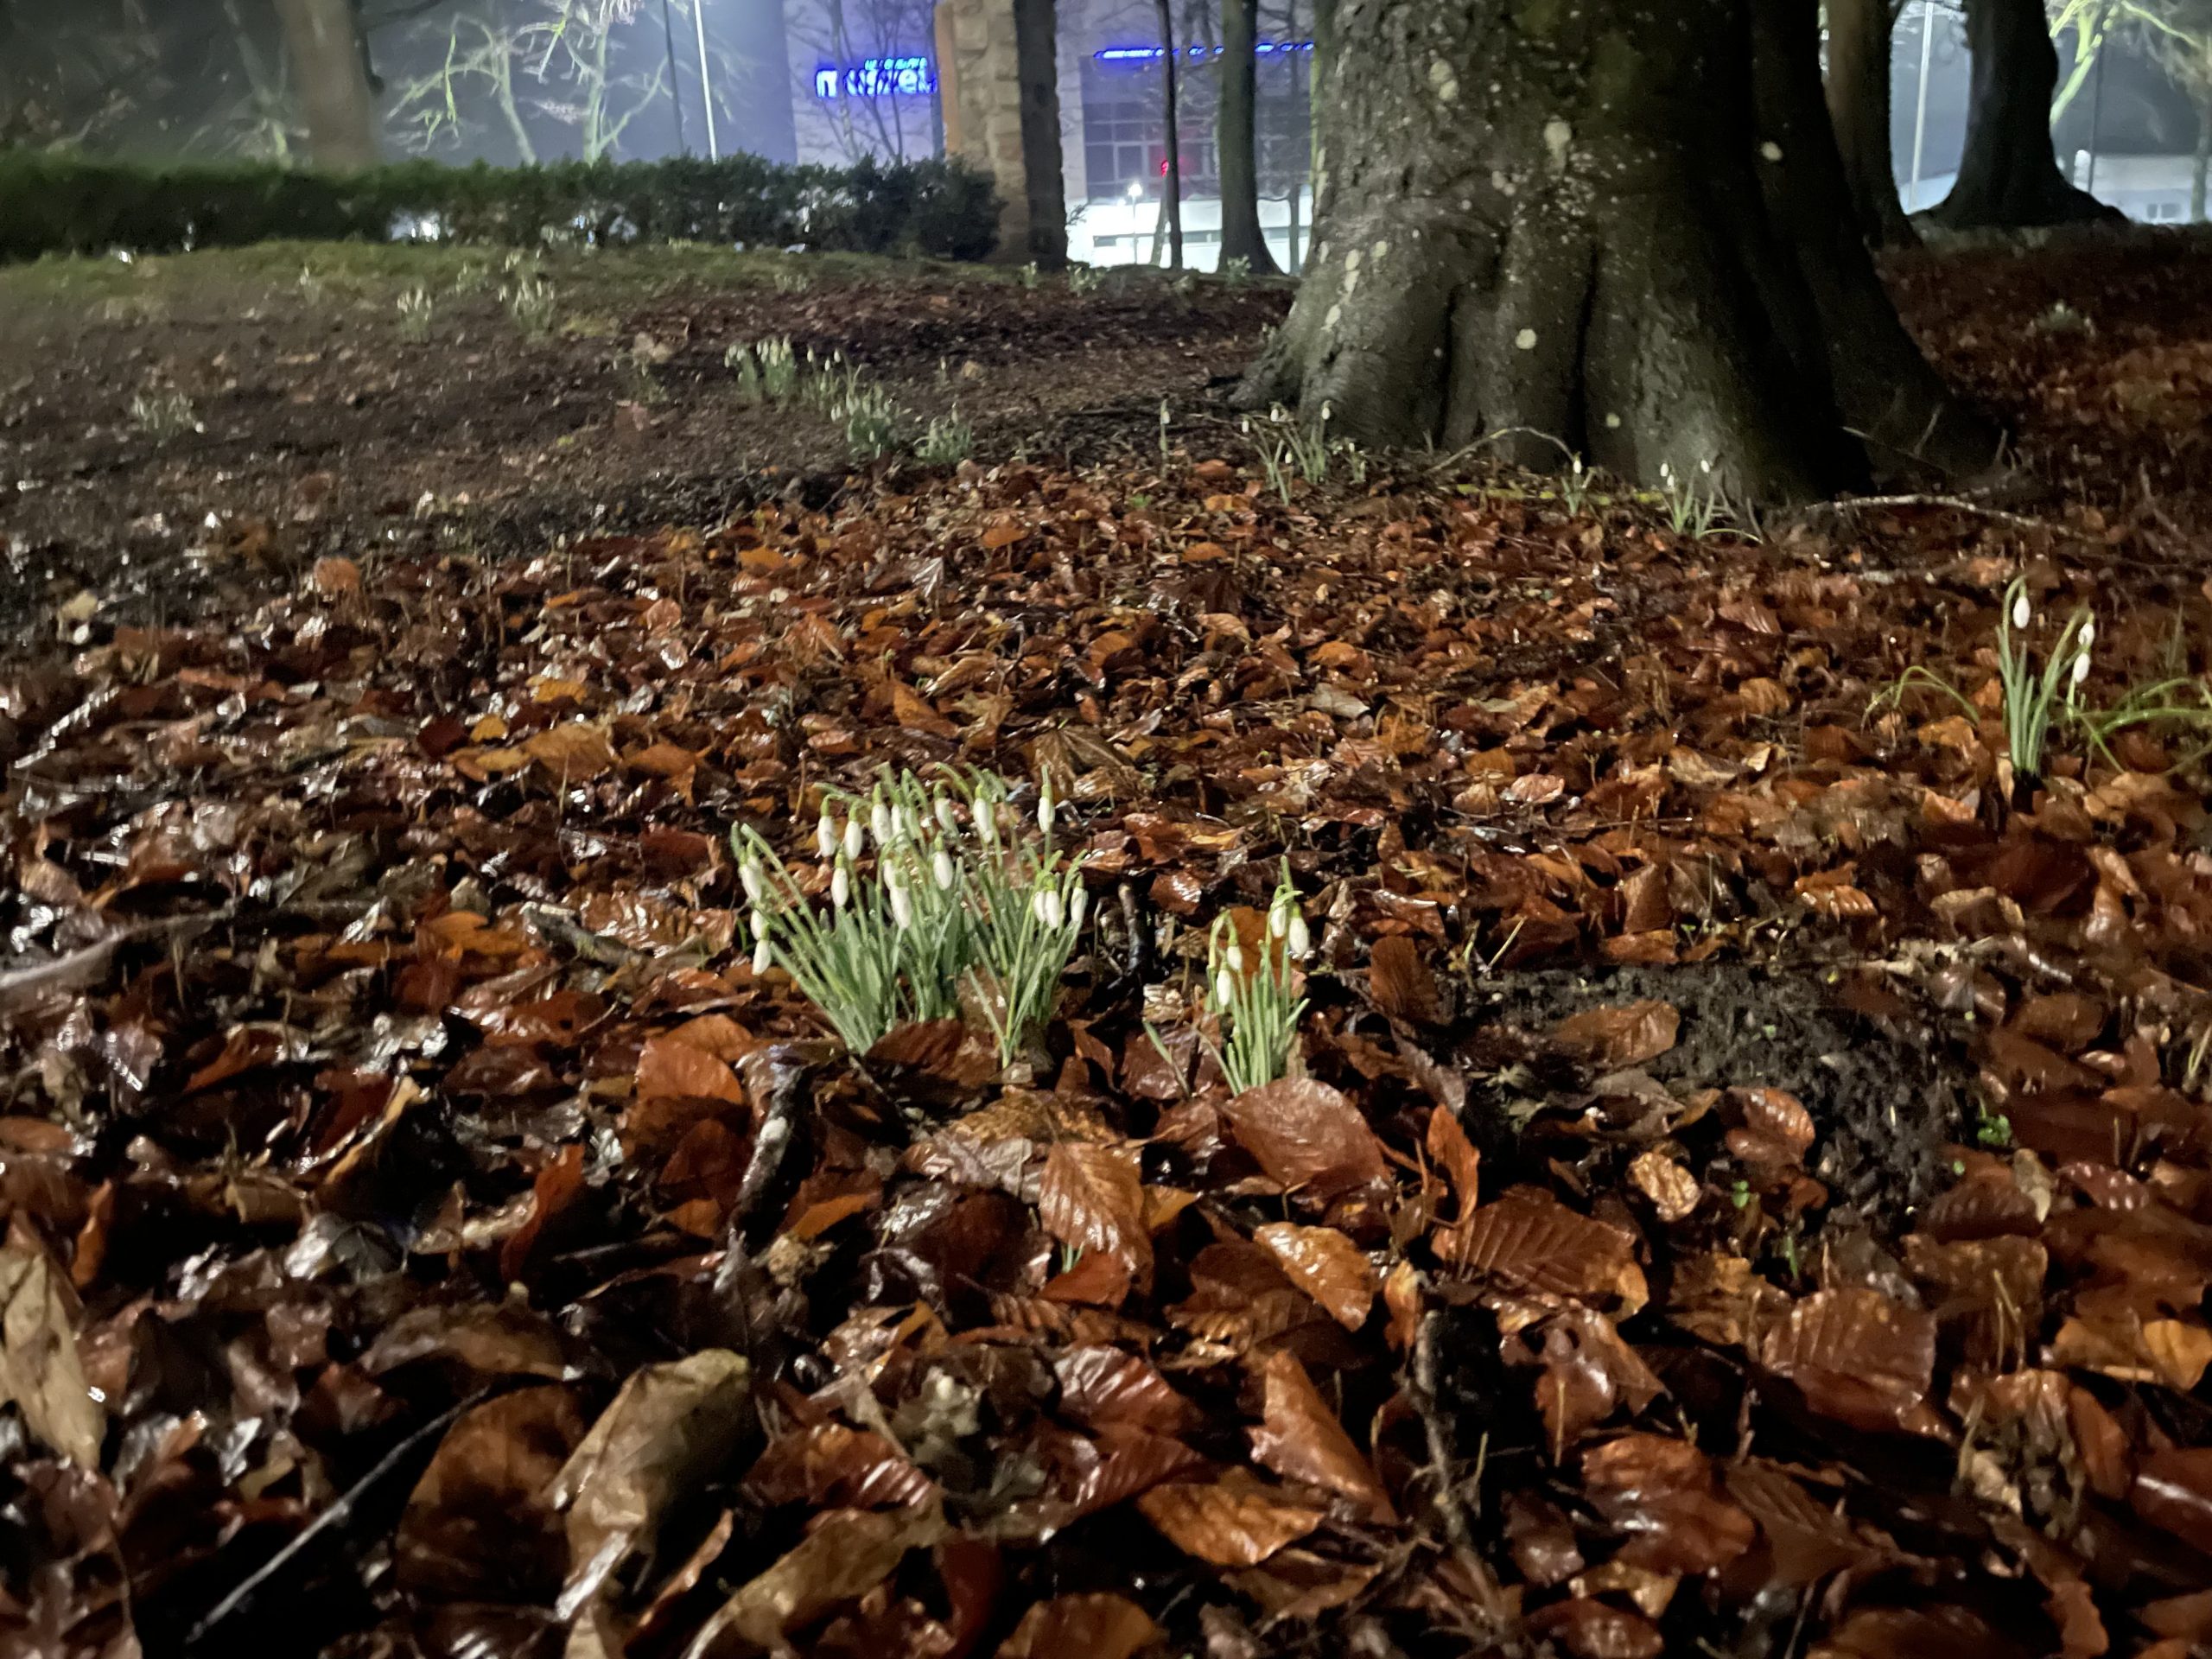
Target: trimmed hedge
x,y
56,203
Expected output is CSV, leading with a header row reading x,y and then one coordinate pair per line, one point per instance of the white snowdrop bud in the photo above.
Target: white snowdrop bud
x,y
1046,808
1234,956
855,838
1225,989
1077,906
1278,919
902,908
2081,668
841,887
2088,633
748,874
1301,941
882,824
825,835
2021,614
760,923
763,958
942,870
948,816
1044,904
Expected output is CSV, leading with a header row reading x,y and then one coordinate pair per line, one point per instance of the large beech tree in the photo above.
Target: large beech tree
x,y
1618,228
2009,174
1859,33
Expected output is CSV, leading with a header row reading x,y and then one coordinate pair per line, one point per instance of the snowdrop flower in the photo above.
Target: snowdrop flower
x,y
748,874
2088,634
902,909
2081,668
1046,808
1225,989
1233,957
948,816
855,838
825,835
1046,907
1278,920
882,824
942,870
2022,615
760,923
1077,906
841,887
763,958
1301,941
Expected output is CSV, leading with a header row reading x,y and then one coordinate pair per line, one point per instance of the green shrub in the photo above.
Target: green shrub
x,y
57,203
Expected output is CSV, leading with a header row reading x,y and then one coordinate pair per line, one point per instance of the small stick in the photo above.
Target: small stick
x,y
330,1517
1427,1371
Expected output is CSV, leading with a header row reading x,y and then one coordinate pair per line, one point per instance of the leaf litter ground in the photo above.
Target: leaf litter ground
x,y
1748,1189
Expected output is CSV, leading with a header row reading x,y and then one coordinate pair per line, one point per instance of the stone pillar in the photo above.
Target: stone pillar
x,y
998,81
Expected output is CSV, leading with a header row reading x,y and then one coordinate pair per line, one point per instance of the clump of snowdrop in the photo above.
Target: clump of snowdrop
x,y
933,889
1695,507
1253,991
2034,698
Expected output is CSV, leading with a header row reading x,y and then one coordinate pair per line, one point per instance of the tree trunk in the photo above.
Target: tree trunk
x,y
1236,140
1320,81
332,82
2204,161
1858,103
1618,229
1171,186
2009,175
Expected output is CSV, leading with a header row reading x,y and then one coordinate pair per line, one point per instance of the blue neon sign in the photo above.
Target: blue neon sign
x,y
1154,53
876,78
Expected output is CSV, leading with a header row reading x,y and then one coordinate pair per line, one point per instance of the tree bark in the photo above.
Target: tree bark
x,y
1321,78
1236,140
332,82
1618,229
2203,163
2009,176
1858,103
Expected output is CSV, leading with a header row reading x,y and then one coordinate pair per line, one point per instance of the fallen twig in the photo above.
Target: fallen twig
x,y
330,1517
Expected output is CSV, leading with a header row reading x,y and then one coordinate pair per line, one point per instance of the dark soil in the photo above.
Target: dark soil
x,y
1889,1084
324,427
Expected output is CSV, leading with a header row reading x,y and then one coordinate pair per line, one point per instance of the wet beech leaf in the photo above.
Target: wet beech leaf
x,y
1674,1191
1326,1266
1401,983
1609,1038
1597,1629
1448,1145
1299,1436
1234,1520
40,1370
1099,1625
478,1524
845,1554
2173,1489
670,1429
1092,1198
1529,1241
1307,1136
1859,1355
